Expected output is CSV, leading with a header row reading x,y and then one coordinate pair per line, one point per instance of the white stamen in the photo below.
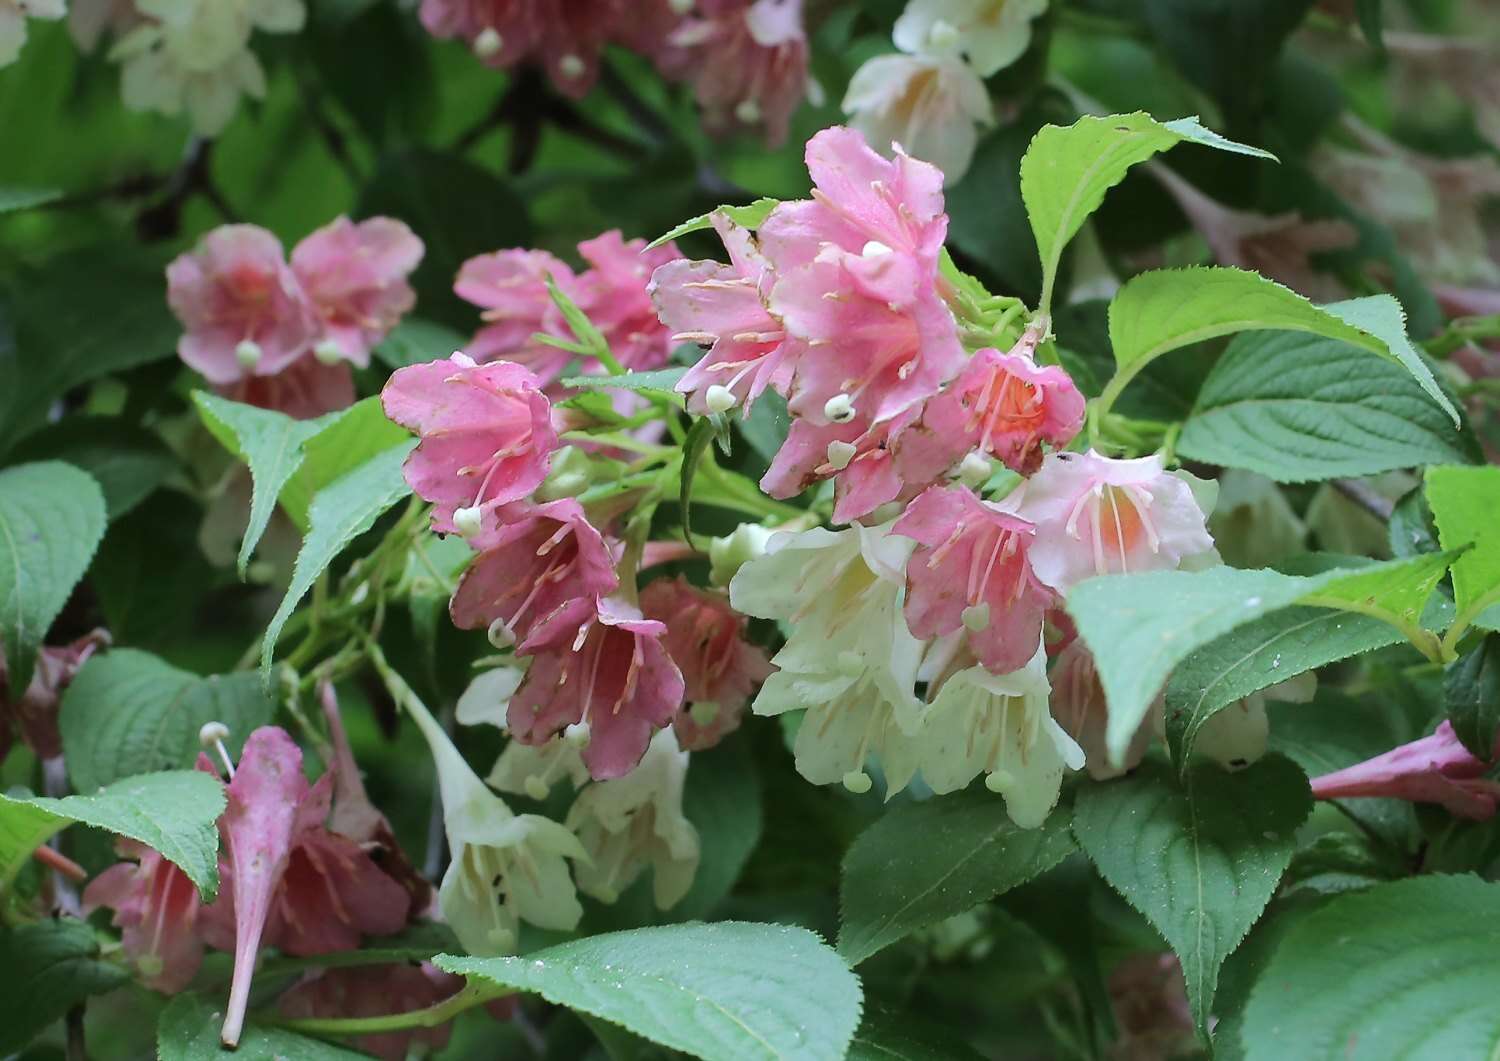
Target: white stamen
x,y
501,636
571,67
977,616
973,470
839,408
874,249
840,454
463,360
468,521
328,352
577,734
719,399
213,735
488,42
248,353
536,788
857,781
999,781
747,111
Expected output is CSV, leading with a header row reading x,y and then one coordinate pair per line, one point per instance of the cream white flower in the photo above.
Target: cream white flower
x,y
487,698
990,34
999,726
13,16
849,658
931,105
1253,524
532,770
634,821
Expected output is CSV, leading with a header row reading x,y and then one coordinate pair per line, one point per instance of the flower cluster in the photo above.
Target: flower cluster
x,y
281,334
746,60
930,96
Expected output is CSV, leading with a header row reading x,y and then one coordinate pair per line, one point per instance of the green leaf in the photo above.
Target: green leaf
x,y
1200,858
729,991
416,341
188,1030
694,449
1156,312
128,712
925,862
1260,654
347,440
126,460
82,316
1471,687
1301,408
51,519
900,1035
1141,626
1371,22
661,381
766,425
270,443
1466,506
172,813
723,801
751,215
50,966
13,198
1066,172
338,514
1402,970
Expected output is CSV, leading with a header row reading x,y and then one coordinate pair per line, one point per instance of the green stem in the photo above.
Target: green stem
x,y
431,1017
619,441
1465,619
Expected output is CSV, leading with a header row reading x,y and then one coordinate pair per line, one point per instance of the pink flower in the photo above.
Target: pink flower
x,y
375,991
34,710
243,309
538,571
305,389
1006,405
1435,769
156,906
747,61
720,669
724,307
857,282
285,879
970,571
355,275
615,295
487,435
610,684
566,37
1096,515
511,287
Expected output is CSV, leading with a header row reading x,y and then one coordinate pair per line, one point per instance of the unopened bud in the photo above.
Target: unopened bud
x,y
576,734
488,42
248,353
211,733
571,67
973,470
719,399
468,521
840,454
501,635
747,111
328,352
874,249
976,617
857,781
536,788
360,595
839,408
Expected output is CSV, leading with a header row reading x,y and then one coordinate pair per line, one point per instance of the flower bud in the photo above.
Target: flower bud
x,y
840,454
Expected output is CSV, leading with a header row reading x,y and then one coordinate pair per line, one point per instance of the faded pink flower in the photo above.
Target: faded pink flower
x,y
1434,769
374,991
285,880
614,293
156,907
747,61
34,710
538,570
723,307
1095,515
720,669
1006,406
511,287
857,282
355,275
931,105
1079,706
611,684
565,37
970,572
486,430
305,389
243,309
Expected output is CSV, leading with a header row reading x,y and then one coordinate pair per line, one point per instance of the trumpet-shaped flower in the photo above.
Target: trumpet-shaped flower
x,y
720,669
1434,769
999,725
747,61
1079,706
244,310
723,307
990,34
355,275
539,571
636,821
505,868
850,659
156,908
532,769
486,433
931,105
1096,515
1006,406
511,288
970,572
609,682
615,294
305,389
